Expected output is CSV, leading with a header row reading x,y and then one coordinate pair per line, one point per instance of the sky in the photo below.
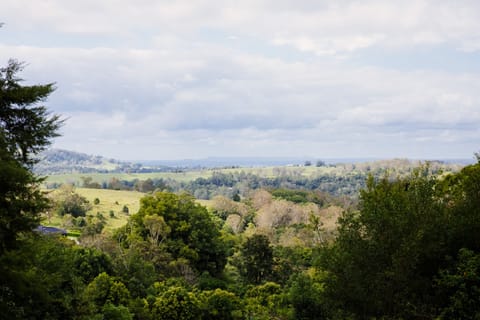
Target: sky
x,y
153,80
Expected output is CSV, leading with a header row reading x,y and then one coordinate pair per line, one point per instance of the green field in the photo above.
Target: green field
x,y
76,178
112,200
191,175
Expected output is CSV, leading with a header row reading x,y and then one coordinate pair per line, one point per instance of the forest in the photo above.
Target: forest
x,y
397,246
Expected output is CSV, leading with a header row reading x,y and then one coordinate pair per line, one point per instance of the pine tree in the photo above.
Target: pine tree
x,y
26,128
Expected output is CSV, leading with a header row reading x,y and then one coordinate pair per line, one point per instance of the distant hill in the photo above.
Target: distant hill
x,y
56,161
252,162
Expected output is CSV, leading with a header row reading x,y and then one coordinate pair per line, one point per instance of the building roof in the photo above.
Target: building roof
x,y
50,230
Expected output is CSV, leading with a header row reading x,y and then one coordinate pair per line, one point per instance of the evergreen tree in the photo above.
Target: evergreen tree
x,y
25,129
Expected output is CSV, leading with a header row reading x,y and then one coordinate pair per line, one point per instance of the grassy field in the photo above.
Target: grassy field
x,y
111,200
76,178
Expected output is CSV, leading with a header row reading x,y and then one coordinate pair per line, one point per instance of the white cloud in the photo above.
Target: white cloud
x,y
166,79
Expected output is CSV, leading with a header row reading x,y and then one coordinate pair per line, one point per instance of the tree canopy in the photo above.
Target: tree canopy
x,y
186,229
399,255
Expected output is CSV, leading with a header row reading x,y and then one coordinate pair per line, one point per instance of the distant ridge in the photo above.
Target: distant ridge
x,y
222,162
57,161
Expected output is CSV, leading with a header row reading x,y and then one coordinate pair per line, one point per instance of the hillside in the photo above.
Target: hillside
x,y
58,161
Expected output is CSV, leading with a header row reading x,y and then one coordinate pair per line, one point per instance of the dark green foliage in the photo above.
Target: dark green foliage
x,y
137,273
20,201
113,312
41,280
90,262
256,261
206,282
301,196
236,197
25,130
290,260
306,298
387,257
26,127
461,287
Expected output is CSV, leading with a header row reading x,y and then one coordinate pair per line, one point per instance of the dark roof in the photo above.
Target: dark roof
x,y
50,230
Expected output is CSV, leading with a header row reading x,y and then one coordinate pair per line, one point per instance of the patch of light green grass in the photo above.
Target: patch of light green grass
x,y
112,201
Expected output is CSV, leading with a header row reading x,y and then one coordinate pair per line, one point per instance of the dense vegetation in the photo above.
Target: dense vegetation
x,y
341,180
408,250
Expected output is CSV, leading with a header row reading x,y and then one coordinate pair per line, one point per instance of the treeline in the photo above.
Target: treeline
x,y
229,184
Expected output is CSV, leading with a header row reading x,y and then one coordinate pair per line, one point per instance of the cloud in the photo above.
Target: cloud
x,y
160,79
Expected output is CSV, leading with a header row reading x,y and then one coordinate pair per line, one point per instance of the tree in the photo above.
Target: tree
x,y
20,200
385,256
176,303
89,183
157,228
236,197
305,296
113,312
222,305
402,255
266,301
105,290
461,284
192,233
320,163
256,259
25,129
145,185
67,201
